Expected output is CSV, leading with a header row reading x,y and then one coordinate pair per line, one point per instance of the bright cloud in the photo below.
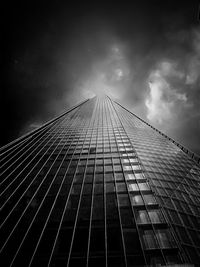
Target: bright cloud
x,y
119,74
162,97
193,71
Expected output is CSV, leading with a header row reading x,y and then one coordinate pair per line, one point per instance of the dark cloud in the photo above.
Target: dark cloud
x,y
146,54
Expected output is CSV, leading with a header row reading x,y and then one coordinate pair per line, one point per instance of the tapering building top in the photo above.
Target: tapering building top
x,y
97,186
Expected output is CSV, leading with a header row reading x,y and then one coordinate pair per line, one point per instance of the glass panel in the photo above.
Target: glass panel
x,y
99,168
137,200
110,188
143,186
87,189
98,189
123,200
139,176
98,209
126,215
121,187
136,167
119,176
131,241
125,160
111,207
133,187
155,216
114,240
157,261
149,199
108,177
134,160
98,177
142,216
149,239
129,176
127,168
80,242
164,238
97,247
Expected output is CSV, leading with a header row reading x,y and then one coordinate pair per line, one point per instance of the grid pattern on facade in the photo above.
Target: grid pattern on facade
x,y
98,187
174,177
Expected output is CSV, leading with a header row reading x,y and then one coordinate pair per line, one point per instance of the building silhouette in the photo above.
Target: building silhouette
x,y
98,186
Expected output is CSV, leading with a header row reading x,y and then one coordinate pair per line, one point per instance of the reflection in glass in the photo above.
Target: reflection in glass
x,y
133,187
142,216
137,200
149,239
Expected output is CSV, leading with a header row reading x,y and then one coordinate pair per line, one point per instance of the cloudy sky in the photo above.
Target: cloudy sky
x,y
144,54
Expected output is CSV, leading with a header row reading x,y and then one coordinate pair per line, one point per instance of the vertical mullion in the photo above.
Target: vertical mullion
x,y
153,228
116,193
65,207
60,187
51,127
12,144
12,149
92,197
92,120
29,201
29,173
37,209
44,147
104,191
144,256
32,152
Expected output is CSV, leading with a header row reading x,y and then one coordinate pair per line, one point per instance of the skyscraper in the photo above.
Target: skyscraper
x,y
98,186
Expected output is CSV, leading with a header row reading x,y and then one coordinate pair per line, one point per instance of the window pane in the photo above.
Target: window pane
x,y
133,187
143,186
149,199
114,240
98,189
131,240
142,216
136,167
97,247
139,176
108,177
133,160
155,216
149,239
127,218
165,238
125,160
121,187
123,200
137,200
110,188
129,176
127,168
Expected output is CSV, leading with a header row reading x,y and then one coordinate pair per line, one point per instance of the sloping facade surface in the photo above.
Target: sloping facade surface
x,y
98,187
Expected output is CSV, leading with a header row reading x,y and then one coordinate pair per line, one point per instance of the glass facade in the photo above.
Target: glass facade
x,y
97,186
